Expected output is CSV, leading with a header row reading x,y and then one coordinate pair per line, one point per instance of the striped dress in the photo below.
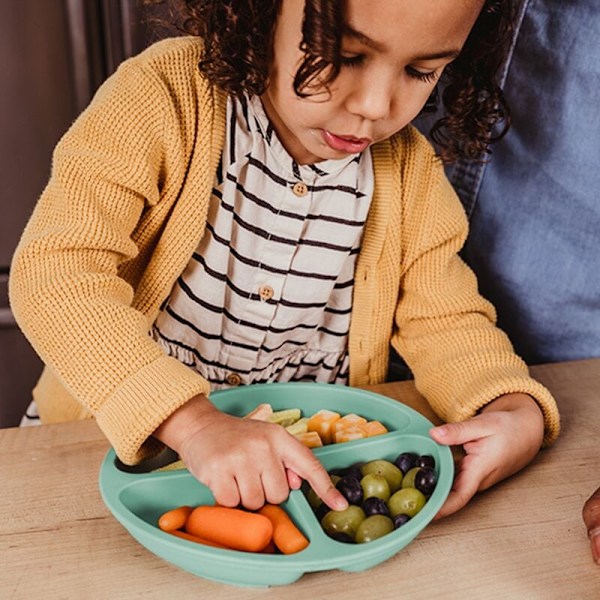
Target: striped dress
x,y
267,295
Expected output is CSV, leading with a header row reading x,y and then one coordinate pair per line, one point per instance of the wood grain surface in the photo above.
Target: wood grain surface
x,y
524,539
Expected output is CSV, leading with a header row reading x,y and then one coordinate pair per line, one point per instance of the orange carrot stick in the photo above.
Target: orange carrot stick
x,y
194,538
269,548
174,519
232,527
287,537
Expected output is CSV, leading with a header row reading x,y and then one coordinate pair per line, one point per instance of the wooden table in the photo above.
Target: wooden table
x,y
523,539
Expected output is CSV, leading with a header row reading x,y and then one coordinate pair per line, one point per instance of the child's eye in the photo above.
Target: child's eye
x,y
352,61
428,77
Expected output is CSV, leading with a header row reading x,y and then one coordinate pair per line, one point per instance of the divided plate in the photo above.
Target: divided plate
x,y
138,499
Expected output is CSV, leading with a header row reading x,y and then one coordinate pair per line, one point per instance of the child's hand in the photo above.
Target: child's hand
x,y
498,442
243,461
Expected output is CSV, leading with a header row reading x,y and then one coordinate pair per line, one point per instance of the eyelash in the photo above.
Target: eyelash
x,y
352,61
426,77
358,60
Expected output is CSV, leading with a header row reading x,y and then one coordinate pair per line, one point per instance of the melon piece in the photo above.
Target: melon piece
x,y
311,439
348,434
322,422
261,413
349,420
300,426
373,428
285,417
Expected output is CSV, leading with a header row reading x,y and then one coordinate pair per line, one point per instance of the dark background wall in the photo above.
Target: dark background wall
x,y
53,56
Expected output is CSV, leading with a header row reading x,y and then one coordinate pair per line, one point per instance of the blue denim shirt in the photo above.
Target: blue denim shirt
x,y
534,208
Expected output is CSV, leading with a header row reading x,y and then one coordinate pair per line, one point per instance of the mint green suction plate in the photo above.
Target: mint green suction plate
x,y
138,499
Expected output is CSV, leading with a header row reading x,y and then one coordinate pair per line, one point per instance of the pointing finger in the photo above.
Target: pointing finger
x,y
305,465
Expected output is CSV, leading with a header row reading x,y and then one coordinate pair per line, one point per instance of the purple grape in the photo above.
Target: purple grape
x,y
341,536
351,489
425,480
375,506
352,471
426,460
400,519
406,461
322,511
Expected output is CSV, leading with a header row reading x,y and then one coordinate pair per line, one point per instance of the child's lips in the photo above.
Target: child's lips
x,y
345,143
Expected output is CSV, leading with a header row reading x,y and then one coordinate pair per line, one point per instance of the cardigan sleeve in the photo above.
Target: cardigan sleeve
x,y
445,330
66,290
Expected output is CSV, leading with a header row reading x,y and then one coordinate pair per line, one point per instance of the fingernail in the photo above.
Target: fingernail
x,y
440,430
341,504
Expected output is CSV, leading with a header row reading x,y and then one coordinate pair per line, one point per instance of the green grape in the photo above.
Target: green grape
x,y
313,499
343,521
409,478
384,467
375,486
407,501
373,528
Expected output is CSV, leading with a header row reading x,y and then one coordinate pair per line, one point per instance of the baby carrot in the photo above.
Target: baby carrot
x,y
269,548
194,538
287,537
232,527
174,519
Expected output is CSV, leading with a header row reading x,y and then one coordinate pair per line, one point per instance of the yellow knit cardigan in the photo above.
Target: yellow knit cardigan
x,y
124,210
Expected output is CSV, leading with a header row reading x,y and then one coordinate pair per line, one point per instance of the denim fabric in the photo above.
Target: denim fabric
x,y
534,208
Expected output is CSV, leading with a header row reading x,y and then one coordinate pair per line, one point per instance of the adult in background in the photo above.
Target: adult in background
x,y
534,208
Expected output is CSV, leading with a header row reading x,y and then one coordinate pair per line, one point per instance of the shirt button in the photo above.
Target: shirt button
x,y
265,292
300,189
234,379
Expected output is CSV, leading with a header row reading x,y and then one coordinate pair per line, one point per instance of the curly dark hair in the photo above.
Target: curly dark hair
x,y
237,36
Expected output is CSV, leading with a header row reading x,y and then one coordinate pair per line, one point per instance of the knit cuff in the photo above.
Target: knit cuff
x,y
130,416
495,385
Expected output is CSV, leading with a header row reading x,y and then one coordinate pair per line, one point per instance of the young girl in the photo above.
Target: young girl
x,y
250,204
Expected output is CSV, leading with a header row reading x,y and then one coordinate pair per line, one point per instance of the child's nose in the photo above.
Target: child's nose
x,y
372,98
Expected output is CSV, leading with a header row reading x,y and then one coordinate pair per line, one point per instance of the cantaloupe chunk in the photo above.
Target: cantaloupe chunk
x,y
311,439
373,428
348,434
321,422
349,420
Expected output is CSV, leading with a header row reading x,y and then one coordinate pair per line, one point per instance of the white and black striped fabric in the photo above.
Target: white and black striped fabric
x,y
266,232
31,416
